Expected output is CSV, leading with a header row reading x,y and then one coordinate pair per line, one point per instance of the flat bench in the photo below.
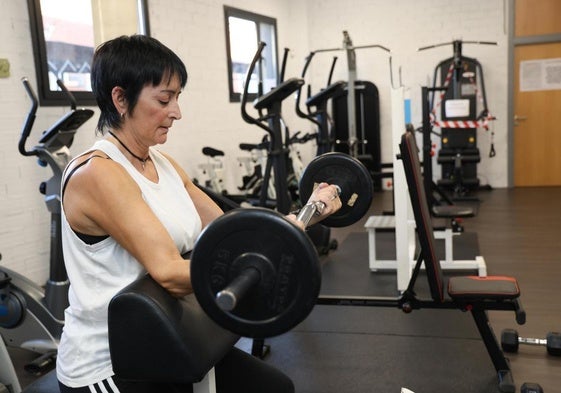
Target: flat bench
x,y
373,223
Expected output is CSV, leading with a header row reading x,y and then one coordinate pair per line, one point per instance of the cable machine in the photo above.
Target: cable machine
x,y
356,112
457,101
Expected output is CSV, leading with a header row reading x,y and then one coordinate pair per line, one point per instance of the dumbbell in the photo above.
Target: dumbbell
x,y
256,273
510,341
529,387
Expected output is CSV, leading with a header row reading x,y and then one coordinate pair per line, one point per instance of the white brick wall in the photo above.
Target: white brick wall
x,y
195,30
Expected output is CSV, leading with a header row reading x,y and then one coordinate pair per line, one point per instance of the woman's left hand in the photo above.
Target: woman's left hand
x,y
328,194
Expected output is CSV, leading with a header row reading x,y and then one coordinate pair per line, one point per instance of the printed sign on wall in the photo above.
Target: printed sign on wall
x,y
540,75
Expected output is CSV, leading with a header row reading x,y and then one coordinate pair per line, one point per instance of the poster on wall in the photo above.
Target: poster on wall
x,y
542,74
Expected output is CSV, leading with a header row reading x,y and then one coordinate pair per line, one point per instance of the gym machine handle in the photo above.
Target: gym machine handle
x,y
228,298
299,112
251,68
30,119
69,95
283,66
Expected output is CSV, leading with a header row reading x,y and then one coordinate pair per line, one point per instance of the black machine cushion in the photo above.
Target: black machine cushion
x,y
454,157
483,288
156,337
278,94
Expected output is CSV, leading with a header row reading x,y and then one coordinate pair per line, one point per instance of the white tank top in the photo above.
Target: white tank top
x,y
98,271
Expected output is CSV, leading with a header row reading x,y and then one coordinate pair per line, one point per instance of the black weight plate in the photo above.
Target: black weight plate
x,y
357,188
272,307
553,343
509,340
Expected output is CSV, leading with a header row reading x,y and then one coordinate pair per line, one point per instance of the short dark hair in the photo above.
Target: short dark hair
x,y
130,62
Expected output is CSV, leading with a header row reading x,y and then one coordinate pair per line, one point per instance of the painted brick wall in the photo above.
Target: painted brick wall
x,y
195,30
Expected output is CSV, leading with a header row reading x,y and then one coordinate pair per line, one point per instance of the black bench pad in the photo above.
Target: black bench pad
x,y
156,337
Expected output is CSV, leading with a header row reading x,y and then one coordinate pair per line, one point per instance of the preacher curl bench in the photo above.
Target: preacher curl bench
x,y
156,337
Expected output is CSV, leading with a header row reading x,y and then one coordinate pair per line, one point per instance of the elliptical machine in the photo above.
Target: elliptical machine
x,y
317,111
271,122
32,317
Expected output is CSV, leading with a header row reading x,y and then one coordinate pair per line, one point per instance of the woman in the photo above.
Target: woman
x,y
129,209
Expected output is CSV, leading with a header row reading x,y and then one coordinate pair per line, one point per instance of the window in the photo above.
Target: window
x,y
65,34
244,30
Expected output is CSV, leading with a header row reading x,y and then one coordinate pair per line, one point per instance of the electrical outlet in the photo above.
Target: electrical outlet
x,y
4,68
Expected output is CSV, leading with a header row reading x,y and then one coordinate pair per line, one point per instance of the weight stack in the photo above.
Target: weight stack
x,y
458,158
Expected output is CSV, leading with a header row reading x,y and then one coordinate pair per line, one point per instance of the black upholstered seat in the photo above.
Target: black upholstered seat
x,y
156,337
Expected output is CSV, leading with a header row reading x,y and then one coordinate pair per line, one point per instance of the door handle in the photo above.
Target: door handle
x,y
517,119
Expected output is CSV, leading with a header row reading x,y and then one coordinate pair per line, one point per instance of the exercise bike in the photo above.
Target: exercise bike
x,y
212,181
32,317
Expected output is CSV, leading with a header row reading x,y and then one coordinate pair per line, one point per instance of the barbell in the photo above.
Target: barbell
x,y
256,273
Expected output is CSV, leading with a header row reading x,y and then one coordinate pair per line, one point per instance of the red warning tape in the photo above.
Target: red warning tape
x,y
458,123
461,123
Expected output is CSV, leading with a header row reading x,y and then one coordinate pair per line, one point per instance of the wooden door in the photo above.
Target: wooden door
x,y
537,126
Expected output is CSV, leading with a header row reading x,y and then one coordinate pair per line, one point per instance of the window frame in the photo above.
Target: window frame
x,y
258,19
48,97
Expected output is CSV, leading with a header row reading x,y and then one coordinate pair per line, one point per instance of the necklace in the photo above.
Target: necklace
x,y
142,160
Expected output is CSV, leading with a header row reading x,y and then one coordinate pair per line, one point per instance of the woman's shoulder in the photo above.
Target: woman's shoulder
x,y
89,157
93,167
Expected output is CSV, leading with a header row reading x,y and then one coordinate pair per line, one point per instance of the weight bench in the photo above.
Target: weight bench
x,y
156,337
472,294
